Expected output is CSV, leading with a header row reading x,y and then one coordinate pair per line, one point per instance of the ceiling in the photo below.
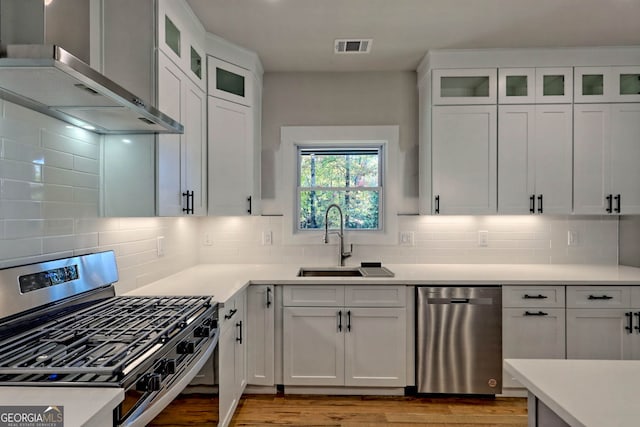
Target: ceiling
x,y
298,35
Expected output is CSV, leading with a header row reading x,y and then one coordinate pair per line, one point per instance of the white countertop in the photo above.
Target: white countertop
x,y
82,406
584,393
225,280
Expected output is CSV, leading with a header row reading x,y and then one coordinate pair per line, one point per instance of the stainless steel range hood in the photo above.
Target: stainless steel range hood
x,y
51,80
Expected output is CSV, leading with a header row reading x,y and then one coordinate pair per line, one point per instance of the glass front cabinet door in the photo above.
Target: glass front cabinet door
x,y
464,86
594,84
230,82
626,82
554,85
516,85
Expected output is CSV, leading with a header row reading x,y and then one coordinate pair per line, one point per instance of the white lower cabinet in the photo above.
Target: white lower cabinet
x,y
533,325
603,322
344,345
232,357
260,335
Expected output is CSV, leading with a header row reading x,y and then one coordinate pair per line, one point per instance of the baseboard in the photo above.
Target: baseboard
x,y
345,391
261,389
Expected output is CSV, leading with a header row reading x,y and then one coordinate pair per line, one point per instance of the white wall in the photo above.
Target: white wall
x,y
437,239
341,99
49,192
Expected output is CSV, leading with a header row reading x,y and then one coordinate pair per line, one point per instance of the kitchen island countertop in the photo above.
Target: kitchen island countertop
x,y
223,281
583,393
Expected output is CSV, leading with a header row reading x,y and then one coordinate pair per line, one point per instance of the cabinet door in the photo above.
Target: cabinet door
x,y
626,81
516,85
516,174
464,86
554,158
313,341
532,333
554,85
195,148
230,82
593,84
592,158
375,344
228,397
260,335
464,144
171,89
625,153
230,153
241,345
598,333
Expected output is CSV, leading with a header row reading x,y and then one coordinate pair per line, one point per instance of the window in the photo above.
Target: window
x,y
354,167
350,177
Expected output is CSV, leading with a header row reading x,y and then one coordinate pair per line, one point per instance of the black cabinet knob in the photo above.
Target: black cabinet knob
x,y
186,347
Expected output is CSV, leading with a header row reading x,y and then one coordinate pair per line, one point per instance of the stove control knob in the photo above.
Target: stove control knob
x,y
166,367
170,366
149,383
186,347
201,332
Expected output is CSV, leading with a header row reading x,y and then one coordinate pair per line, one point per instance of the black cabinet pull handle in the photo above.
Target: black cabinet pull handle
x,y
600,297
629,327
349,321
189,209
230,314
339,321
249,200
618,199
268,297
532,203
609,199
539,313
437,209
637,314
239,337
539,296
540,203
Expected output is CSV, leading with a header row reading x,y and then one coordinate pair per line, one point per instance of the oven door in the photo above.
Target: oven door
x,y
162,386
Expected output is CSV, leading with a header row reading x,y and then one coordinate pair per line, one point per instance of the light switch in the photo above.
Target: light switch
x,y
160,245
483,238
267,238
406,238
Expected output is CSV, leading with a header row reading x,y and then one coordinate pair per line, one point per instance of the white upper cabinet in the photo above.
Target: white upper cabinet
x,y
534,159
464,154
535,85
607,84
606,176
464,86
230,82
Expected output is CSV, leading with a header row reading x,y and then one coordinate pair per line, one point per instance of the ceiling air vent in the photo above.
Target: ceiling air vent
x,y
353,45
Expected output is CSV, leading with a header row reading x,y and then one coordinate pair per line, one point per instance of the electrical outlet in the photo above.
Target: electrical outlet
x,y
406,238
206,240
160,245
267,238
483,238
572,238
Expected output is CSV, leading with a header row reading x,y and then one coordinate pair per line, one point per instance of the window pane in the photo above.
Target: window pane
x,y
229,82
334,169
360,209
172,35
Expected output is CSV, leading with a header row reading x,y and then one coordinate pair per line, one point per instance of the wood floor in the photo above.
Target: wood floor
x,y
349,411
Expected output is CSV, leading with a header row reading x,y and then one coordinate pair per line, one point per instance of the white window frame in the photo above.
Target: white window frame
x,y
292,137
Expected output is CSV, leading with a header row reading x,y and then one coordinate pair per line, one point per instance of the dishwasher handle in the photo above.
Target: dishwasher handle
x,y
470,301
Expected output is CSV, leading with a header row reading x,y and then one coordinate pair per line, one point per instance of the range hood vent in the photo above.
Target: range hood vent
x,y
50,80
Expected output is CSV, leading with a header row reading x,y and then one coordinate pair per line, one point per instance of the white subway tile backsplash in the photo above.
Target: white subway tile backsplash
x,y
55,227
18,209
18,229
20,190
65,144
83,164
21,171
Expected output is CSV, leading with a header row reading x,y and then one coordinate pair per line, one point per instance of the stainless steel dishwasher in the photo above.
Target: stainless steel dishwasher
x,y
459,340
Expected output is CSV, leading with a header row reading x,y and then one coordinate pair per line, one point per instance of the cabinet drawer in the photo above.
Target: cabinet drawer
x,y
533,296
313,296
598,296
375,296
635,296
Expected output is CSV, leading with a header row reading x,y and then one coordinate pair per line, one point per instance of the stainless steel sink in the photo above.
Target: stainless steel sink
x,y
344,272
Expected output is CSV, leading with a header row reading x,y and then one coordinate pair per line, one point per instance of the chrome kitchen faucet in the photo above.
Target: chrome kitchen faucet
x,y
343,255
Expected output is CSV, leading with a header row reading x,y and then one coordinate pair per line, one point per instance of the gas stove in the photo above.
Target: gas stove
x,y
66,327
